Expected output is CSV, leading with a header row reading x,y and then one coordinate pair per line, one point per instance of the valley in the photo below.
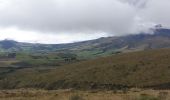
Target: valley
x,y
84,50
110,66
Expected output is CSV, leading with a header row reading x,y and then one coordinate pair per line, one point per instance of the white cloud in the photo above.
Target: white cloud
x,y
157,11
68,15
37,37
70,20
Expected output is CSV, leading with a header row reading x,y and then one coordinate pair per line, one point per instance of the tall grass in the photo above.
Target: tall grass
x,y
82,95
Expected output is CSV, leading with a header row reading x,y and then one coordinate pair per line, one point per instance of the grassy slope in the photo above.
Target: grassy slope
x,y
138,69
24,59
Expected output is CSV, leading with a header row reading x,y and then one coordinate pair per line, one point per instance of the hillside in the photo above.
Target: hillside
x,y
138,69
14,46
160,38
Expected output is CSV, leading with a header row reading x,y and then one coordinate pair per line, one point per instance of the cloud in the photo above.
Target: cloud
x,y
14,33
137,3
149,13
157,11
68,15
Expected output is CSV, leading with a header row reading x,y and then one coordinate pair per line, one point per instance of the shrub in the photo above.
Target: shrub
x,y
162,95
147,97
125,90
76,97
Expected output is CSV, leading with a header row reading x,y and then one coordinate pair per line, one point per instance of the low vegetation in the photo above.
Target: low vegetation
x,y
145,69
82,95
24,59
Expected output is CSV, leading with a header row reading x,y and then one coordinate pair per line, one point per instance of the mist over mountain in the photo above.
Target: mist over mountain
x,y
160,38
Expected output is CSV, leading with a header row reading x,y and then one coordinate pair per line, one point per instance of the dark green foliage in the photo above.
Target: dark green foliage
x,y
11,55
41,59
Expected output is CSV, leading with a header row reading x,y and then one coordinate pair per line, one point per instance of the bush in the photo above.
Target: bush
x,y
125,90
162,95
76,97
147,97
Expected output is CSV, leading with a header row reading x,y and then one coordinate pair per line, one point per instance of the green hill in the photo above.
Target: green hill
x,y
145,69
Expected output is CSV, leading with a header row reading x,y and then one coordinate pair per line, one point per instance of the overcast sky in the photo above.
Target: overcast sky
x,y
63,21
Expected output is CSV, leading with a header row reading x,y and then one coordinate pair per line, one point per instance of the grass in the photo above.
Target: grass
x,y
145,69
32,94
24,59
76,97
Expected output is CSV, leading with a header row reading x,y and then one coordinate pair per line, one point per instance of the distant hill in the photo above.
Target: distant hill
x,y
160,38
146,69
14,46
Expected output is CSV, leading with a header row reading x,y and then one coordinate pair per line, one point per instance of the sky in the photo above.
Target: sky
x,y
65,21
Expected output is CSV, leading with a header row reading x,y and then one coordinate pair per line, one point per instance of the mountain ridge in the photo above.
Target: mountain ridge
x,y
160,38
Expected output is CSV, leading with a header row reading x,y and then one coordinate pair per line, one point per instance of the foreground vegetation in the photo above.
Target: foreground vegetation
x,y
145,69
84,95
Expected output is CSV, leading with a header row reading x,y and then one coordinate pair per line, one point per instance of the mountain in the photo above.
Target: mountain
x,y
160,38
142,69
60,66
14,46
